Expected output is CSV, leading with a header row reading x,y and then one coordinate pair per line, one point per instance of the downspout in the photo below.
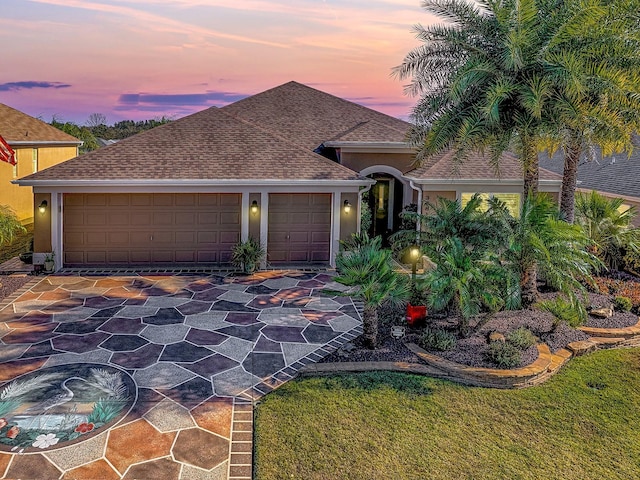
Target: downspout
x,y
419,190
360,194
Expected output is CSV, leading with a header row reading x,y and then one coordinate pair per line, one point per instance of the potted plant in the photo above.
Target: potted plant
x,y
49,262
246,255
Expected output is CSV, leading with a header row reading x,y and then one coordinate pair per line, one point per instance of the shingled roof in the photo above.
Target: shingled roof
x,y
310,117
17,127
476,167
617,174
208,145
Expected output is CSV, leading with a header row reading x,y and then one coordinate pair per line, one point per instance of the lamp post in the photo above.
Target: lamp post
x,y
415,253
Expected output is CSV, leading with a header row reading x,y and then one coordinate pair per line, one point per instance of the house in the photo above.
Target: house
x,y
28,145
614,176
288,166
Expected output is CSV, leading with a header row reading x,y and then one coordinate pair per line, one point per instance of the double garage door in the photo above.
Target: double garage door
x,y
188,229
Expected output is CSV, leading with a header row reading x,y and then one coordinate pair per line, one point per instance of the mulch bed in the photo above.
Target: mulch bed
x,y
10,283
472,349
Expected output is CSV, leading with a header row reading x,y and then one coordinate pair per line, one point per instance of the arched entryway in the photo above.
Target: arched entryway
x,y
386,200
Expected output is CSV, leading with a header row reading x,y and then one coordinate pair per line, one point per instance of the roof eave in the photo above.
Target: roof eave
x,y
24,143
392,147
478,181
191,182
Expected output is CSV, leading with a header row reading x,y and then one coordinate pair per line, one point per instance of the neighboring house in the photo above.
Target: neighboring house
x,y
28,145
105,143
182,193
612,176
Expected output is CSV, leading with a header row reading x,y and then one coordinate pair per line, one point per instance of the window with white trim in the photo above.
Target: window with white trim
x,y
511,200
35,160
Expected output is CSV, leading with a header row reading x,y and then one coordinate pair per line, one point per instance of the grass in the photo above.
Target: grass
x,y
21,243
581,424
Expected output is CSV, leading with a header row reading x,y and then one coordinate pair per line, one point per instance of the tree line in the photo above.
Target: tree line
x,y
96,127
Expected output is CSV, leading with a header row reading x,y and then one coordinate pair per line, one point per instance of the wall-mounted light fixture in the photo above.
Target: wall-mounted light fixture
x,y
43,207
347,206
254,207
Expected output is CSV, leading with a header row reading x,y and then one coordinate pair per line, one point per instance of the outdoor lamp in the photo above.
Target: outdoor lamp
x,y
415,253
347,206
43,206
254,207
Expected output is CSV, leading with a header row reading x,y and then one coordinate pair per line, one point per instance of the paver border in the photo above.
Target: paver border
x,y
545,366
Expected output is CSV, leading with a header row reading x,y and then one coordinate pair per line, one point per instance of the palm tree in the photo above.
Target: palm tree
x,y
506,74
608,226
540,242
597,71
9,224
462,279
368,268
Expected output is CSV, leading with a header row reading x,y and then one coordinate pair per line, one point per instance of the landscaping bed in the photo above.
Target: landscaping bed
x,y
473,349
10,283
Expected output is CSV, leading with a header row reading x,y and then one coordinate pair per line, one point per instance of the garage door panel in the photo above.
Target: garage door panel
x,y
229,238
142,218
118,218
96,256
299,228
163,218
139,200
118,257
209,218
186,256
150,228
186,219
95,219
229,218
96,238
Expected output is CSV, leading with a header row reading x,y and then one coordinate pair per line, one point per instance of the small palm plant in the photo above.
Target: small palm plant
x,y
608,225
10,226
369,270
247,254
462,279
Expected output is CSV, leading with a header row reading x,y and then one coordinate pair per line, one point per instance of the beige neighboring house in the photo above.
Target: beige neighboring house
x,y
288,166
28,145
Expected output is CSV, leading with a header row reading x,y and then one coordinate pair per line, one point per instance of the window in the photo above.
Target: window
x,y
511,200
35,160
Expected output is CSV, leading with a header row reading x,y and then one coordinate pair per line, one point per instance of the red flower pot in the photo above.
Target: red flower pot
x,y
416,315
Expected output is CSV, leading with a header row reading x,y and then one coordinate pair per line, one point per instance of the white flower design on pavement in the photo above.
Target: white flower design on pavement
x,y
44,441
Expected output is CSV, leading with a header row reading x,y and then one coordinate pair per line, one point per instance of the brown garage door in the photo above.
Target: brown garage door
x,y
299,228
149,229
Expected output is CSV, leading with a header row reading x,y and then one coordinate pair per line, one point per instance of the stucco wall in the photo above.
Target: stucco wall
x,y
41,223
360,161
348,221
20,199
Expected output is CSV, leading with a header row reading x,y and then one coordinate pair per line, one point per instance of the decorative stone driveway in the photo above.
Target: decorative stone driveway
x,y
199,351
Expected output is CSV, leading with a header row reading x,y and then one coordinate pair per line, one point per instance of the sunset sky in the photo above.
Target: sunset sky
x,y
139,59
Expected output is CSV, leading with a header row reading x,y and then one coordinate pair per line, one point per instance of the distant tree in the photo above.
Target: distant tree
x,y
96,119
89,141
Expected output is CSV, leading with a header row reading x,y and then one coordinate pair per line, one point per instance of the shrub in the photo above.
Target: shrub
x,y
622,304
631,260
564,310
610,286
437,339
504,354
521,338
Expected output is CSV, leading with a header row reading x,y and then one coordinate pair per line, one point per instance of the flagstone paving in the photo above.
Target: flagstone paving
x,y
154,376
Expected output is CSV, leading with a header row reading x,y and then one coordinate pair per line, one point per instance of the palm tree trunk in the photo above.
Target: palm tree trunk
x,y
569,180
370,326
529,285
530,167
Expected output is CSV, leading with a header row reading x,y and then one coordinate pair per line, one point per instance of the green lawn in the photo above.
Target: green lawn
x,y
582,424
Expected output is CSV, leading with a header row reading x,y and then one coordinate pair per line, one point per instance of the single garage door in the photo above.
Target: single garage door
x,y
149,229
299,228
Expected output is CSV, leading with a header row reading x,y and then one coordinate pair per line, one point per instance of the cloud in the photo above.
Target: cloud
x,y
157,22
146,100
14,86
